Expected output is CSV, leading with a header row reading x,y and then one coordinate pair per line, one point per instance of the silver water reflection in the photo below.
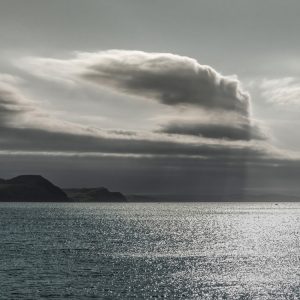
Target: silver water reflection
x,y
144,251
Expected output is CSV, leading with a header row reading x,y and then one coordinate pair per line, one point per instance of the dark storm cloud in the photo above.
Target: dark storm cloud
x,y
167,78
173,80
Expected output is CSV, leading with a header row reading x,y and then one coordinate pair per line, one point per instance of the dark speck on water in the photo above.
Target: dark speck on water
x,y
149,251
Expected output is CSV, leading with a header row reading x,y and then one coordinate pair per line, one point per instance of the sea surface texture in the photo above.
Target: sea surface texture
x,y
150,251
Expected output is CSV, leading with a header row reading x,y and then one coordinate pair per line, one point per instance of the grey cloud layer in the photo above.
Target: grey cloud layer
x,y
23,126
239,131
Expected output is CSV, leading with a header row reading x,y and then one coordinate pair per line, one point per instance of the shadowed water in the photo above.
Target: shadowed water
x,y
144,251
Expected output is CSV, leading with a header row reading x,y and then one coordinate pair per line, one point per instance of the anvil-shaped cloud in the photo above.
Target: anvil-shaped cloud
x,y
172,80
164,77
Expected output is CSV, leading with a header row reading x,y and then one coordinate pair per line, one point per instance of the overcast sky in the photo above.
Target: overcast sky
x,y
152,96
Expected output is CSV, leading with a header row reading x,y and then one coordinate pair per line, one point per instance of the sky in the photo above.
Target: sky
x,y
180,97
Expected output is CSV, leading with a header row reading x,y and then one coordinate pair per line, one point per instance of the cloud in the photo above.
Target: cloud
x,y
284,92
236,131
178,82
170,79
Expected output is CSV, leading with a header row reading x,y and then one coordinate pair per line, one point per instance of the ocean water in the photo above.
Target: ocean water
x,y
150,251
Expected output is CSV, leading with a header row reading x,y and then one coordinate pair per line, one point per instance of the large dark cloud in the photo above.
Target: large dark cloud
x,y
164,77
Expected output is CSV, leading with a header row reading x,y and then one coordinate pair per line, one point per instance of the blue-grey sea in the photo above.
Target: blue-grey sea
x,y
150,251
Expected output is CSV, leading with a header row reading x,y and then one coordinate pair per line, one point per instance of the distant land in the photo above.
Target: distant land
x,y
35,188
94,195
250,197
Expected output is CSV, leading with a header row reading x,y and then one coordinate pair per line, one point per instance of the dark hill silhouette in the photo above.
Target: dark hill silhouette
x,y
33,188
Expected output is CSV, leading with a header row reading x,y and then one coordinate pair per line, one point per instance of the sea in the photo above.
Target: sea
x,y
149,251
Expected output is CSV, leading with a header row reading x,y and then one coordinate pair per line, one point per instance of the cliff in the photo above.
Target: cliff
x,y
35,188
32,188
